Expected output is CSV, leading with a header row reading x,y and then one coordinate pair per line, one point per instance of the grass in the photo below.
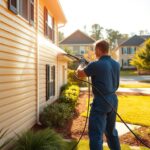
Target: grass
x,y
128,73
135,85
84,145
134,109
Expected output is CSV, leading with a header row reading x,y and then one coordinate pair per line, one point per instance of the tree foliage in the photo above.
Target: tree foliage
x,y
61,36
97,32
90,56
142,57
113,36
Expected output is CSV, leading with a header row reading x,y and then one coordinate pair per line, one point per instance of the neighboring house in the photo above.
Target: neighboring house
x,y
126,50
78,42
32,66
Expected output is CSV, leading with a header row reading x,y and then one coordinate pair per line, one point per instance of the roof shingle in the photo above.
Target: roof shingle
x,y
78,37
135,40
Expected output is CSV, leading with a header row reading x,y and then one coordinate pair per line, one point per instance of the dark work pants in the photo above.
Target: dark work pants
x,y
100,123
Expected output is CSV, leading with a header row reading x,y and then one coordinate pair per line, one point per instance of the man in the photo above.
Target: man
x,y
105,74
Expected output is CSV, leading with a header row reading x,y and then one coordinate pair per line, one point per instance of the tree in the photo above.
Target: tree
x,y
97,32
90,56
113,36
68,50
61,36
142,57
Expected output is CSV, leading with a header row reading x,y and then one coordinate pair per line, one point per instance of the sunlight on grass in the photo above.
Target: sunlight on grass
x,y
134,109
128,73
135,85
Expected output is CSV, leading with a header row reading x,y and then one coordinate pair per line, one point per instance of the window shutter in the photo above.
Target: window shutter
x,y
122,50
47,82
53,80
45,21
12,5
53,30
31,12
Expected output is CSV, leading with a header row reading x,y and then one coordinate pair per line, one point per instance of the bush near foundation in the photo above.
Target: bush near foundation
x,y
41,140
69,95
56,115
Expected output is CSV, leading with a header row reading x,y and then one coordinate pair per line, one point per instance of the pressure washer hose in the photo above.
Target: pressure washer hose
x,y
90,84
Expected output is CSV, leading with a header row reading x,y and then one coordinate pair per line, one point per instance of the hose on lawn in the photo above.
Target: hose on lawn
x,y
90,84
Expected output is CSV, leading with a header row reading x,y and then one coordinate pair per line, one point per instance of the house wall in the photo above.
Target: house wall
x,y
125,57
18,69
47,55
62,69
76,48
17,72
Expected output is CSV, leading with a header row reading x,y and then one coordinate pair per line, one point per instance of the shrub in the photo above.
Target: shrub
x,y
56,115
70,95
42,140
74,81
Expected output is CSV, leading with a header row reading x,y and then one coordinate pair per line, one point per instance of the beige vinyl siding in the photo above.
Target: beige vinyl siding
x,y
17,72
47,55
63,78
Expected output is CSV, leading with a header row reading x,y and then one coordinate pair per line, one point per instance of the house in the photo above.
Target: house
x,y
126,50
32,66
78,42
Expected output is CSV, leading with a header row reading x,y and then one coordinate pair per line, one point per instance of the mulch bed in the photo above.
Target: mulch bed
x,y
75,126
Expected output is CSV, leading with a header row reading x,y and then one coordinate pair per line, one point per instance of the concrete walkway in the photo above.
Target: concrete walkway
x,y
122,129
129,90
134,79
138,90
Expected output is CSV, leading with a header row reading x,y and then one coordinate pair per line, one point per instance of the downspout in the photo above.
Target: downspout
x,y
37,67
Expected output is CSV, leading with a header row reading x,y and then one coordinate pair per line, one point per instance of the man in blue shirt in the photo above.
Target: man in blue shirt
x,y
105,74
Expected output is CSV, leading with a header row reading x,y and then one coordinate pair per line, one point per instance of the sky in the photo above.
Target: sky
x,y
126,16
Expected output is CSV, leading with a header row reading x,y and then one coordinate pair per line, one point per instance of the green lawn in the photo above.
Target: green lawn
x,y
134,109
84,145
128,73
135,85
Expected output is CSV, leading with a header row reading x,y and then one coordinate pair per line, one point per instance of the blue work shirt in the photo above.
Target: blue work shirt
x,y
105,74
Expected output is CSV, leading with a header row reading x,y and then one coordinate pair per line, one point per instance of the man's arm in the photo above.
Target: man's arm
x,y
80,72
89,70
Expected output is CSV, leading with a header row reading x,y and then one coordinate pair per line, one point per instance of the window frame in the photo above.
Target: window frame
x,y
50,81
49,32
16,10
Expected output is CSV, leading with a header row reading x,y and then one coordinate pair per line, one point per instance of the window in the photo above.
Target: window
x,y
50,81
63,72
25,8
132,50
129,62
82,51
124,63
129,50
48,25
124,50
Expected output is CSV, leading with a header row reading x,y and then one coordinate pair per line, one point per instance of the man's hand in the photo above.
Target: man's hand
x,y
80,72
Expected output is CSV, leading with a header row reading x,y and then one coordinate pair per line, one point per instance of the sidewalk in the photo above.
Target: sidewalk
x,y
122,129
126,90
136,90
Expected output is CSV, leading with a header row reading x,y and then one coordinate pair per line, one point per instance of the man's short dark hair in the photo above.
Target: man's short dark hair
x,y
102,45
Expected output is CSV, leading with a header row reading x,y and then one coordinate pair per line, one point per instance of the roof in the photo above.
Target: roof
x,y
135,40
78,37
55,7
